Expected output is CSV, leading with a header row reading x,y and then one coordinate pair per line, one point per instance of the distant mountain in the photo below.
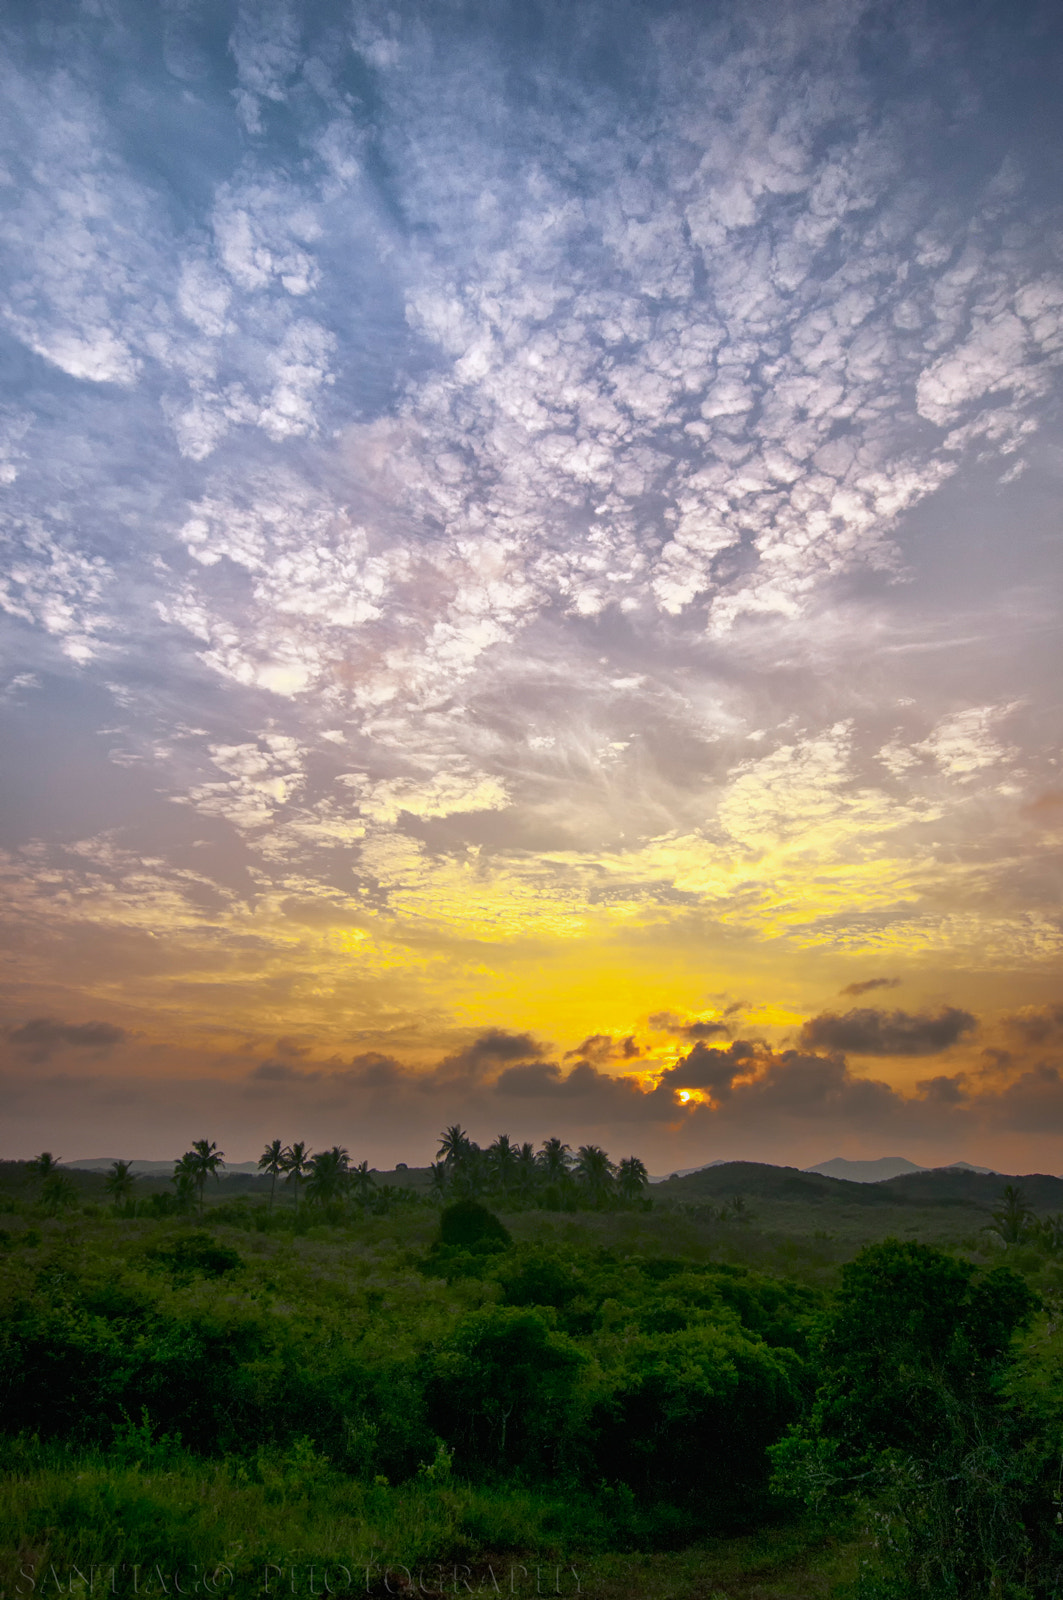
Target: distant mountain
x,y
884,1168
684,1172
866,1171
150,1169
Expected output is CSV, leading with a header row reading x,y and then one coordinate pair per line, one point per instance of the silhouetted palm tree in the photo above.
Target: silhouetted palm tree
x,y
527,1170
44,1165
271,1161
204,1159
184,1180
632,1178
119,1182
454,1145
595,1172
554,1160
296,1166
502,1157
328,1175
362,1182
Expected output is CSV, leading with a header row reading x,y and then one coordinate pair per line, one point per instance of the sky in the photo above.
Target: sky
x,y
530,577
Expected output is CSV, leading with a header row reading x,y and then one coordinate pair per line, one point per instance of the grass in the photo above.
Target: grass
x,y
141,1509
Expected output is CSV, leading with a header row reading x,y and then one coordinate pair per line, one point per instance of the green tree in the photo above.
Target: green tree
x,y
911,1413
119,1182
58,1192
1013,1217
271,1161
500,1391
44,1165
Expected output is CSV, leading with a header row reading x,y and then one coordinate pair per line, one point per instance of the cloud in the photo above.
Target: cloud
x,y
41,1037
669,1022
491,1049
711,1070
865,985
600,1048
888,1033
1037,1025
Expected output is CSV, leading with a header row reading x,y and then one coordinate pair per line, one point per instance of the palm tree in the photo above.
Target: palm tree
x,y
204,1159
632,1178
58,1191
527,1169
44,1165
363,1183
1012,1220
554,1160
595,1172
184,1180
502,1158
119,1182
271,1161
438,1169
328,1175
296,1166
454,1145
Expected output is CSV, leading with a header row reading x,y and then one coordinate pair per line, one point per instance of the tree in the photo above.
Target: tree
x,y
502,1158
454,1146
203,1160
271,1161
554,1160
58,1191
632,1179
296,1167
44,1165
363,1183
119,1182
1013,1216
328,1175
184,1181
595,1172
913,1412
527,1170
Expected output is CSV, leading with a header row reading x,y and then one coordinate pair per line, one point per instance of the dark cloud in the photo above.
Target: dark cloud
x,y
490,1050
944,1090
288,1046
596,1096
42,1036
668,1022
1037,1024
713,1071
278,1072
869,1032
602,1047
867,984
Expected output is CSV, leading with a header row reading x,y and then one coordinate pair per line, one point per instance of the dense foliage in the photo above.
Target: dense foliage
x,y
521,1382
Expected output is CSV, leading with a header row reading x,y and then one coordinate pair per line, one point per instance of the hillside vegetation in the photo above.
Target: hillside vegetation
x,y
720,1386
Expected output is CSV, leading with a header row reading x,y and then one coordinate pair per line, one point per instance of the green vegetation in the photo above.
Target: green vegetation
x,y
655,1391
